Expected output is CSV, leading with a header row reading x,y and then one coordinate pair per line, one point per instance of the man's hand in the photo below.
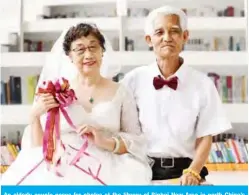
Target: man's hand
x,y
189,179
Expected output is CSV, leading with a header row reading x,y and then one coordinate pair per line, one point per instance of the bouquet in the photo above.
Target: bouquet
x,y
52,145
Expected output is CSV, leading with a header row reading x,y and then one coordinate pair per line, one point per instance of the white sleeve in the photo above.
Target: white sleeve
x,y
131,132
212,119
129,82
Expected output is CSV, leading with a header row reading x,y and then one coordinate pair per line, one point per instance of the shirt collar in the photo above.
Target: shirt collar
x,y
180,73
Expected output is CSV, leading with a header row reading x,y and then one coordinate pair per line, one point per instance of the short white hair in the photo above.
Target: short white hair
x,y
165,10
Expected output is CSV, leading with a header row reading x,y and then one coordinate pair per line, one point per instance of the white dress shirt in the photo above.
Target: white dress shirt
x,y
172,120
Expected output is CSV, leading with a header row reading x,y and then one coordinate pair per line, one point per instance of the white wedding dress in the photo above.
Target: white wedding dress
x,y
115,117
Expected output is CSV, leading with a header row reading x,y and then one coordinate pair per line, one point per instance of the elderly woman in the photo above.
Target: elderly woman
x,y
180,109
104,112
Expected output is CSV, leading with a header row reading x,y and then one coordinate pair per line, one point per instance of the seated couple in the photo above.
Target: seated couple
x,y
156,124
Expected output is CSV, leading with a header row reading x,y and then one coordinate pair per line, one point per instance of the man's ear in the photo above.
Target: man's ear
x,y
148,40
185,36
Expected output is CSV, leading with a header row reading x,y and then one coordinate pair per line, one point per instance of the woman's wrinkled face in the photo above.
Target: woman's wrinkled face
x,y
167,38
86,54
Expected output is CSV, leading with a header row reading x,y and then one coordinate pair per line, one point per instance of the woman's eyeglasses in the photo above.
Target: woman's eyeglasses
x,y
81,50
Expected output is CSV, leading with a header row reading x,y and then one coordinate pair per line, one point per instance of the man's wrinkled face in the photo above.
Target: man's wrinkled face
x,y
167,38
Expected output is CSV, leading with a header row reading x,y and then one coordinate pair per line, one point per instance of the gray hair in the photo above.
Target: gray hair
x,y
165,10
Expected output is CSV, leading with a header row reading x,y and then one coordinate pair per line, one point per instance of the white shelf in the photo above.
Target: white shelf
x,y
25,59
222,4
8,38
147,3
198,24
18,114
237,113
134,24
136,58
15,114
228,178
74,2
58,25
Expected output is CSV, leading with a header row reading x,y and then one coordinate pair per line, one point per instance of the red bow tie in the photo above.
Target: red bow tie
x,y
159,82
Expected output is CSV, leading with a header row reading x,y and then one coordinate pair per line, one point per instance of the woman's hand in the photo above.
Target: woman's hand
x,y
189,179
44,103
95,136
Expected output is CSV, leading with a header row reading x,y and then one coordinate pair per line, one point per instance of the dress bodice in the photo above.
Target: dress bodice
x,y
104,115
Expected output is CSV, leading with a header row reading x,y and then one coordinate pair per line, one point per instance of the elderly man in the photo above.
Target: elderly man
x,y
179,107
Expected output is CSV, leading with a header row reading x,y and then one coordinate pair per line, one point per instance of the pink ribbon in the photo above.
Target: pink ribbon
x,y
80,153
65,97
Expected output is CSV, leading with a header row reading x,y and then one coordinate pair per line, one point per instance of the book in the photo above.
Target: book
x,y
15,90
19,90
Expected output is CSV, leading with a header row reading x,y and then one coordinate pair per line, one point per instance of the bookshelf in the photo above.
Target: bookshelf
x,y
210,58
225,62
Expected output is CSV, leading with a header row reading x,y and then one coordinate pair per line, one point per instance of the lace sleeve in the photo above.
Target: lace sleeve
x,y
131,133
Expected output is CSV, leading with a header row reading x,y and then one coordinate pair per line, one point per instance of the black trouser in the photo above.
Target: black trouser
x,y
167,168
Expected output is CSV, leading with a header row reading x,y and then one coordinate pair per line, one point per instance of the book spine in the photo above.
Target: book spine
x,y
3,158
8,92
240,152
243,151
8,159
243,92
224,89
24,89
31,88
237,88
214,154
219,153
234,150
229,89
223,151
3,93
230,152
15,90
12,151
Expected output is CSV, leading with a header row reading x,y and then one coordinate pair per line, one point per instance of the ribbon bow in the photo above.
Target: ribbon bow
x,y
159,82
